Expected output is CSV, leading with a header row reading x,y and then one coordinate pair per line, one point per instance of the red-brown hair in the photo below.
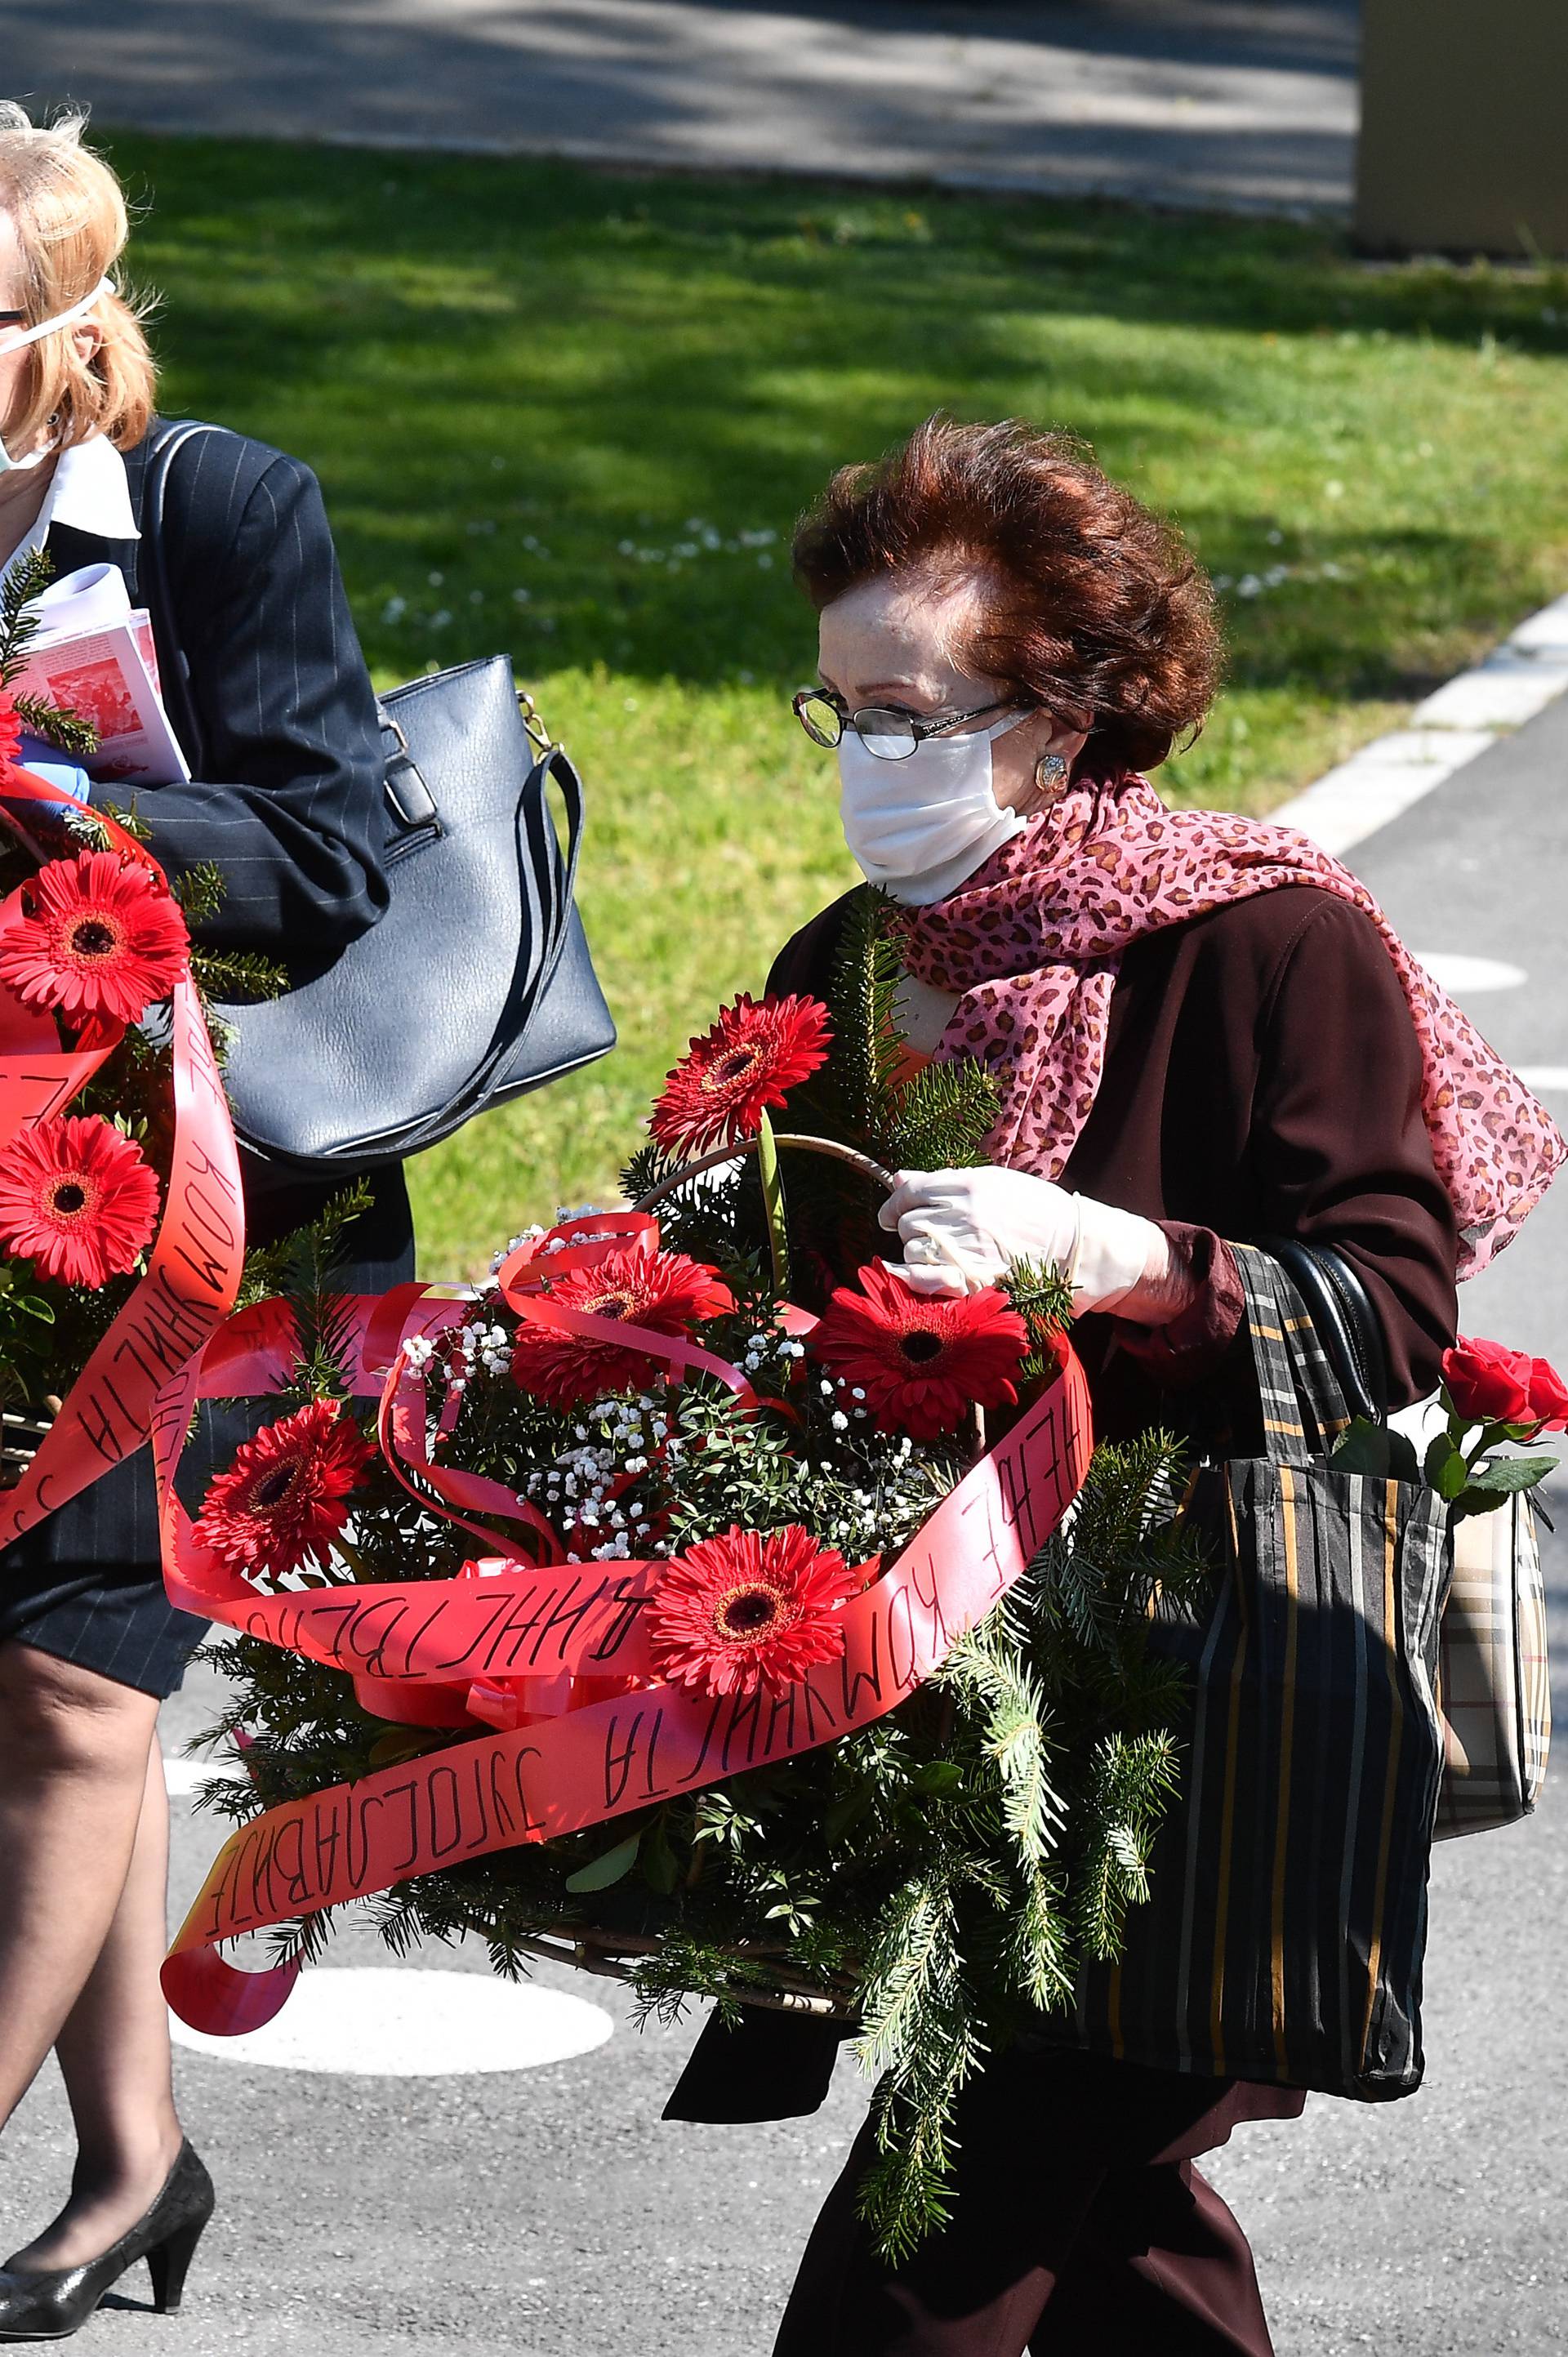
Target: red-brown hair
x,y
1088,604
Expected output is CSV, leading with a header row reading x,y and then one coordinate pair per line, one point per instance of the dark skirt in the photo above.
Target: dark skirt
x,y
85,1584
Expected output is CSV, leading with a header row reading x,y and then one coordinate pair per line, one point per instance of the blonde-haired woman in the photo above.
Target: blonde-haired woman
x,y
288,800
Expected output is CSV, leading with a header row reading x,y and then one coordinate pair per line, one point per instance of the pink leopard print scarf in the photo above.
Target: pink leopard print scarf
x,y
1034,938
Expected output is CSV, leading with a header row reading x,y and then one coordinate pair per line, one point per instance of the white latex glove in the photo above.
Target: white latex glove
x,y
961,1230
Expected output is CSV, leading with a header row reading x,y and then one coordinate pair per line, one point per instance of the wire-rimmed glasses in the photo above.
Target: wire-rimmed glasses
x,y
884,730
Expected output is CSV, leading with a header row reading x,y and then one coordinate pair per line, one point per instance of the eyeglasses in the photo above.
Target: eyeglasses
x,y
13,318
891,735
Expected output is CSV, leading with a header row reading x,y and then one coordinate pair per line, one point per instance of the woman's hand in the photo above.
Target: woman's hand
x,y
961,1230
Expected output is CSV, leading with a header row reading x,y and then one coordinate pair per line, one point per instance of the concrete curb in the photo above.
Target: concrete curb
x,y
1450,727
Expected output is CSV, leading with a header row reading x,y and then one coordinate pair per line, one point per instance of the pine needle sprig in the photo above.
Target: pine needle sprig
x,y
987,1670
941,1118
1043,1299
921,2033
1130,1781
863,1060
27,579
322,1316
200,891
237,977
67,731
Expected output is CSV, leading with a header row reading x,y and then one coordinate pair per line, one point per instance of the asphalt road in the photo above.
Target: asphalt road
x,y
547,2212
1244,103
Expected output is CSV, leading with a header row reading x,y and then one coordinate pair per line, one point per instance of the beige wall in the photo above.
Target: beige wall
x,y
1464,126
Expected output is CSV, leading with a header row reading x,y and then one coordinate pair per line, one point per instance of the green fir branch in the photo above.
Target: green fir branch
x,y
323,1320
941,1118
238,977
200,891
1131,1781
51,722
128,819
27,579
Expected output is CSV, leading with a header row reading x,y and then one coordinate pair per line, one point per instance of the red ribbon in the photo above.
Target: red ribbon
x,y
549,1663
197,1255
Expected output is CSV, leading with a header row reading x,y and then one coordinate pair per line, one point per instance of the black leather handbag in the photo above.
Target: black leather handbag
x,y
476,983
1346,1325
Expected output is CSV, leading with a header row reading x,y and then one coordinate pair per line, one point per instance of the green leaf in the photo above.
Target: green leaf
x,y
937,1776
1361,1448
847,1811
660,1865
1445,1467
1403,1463
609,1868
1506,1474
1376,1449
773,1204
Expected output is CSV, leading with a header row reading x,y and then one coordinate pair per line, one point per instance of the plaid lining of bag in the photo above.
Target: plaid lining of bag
x,y
1494,1686
1284,1934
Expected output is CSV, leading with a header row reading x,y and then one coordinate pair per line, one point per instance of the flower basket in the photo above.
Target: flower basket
x,y
626,1614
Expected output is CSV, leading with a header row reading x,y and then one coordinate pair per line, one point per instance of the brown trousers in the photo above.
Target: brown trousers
x,y
1079,2225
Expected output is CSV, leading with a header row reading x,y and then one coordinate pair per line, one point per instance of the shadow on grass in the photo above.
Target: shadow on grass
x,y
560,411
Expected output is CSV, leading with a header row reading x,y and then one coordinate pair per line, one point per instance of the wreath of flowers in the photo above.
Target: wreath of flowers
x,y
663,1399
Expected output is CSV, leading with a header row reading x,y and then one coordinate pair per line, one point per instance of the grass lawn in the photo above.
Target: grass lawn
x,y
575,415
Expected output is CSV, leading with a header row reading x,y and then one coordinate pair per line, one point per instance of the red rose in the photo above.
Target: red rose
x,y
1548,1395
1487,1384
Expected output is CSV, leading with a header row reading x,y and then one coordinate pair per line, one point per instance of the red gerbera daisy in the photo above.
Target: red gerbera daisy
x,y
285,1497
754,1054
922,1360
98,934
742,1611
78,1198
664,1291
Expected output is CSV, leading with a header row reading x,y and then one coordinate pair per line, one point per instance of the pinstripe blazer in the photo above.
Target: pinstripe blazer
x,y
292,805
292,810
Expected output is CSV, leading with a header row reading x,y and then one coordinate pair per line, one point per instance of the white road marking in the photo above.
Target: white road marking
x,y
184,1778
1455,723
1463,975
383,2022
1510,688
1377,783
1544,1076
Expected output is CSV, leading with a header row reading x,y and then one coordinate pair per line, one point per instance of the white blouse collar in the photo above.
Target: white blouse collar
x,y
88,491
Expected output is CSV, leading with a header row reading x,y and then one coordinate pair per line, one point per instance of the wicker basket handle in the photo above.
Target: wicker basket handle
x,y
826,1145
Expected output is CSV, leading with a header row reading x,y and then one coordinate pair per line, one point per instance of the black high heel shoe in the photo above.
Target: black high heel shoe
x,y
54,2303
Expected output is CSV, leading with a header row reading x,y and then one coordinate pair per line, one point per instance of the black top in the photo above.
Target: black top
x,y
291,807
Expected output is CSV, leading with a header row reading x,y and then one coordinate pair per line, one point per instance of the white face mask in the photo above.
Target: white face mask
x,y
32,335
920,825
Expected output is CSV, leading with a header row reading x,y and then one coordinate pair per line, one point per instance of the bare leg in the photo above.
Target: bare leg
x,y
85,1840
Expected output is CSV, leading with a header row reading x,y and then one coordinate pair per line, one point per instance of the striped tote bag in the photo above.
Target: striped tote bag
x,y
1285,1930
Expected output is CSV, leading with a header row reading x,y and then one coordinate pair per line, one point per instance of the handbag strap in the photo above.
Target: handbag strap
x,y
1295,1380
153,568
549,875
549,878
408,799
1343,1315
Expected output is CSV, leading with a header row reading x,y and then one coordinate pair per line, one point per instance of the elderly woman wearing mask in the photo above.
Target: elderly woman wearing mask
x,y
291,809
1201,1028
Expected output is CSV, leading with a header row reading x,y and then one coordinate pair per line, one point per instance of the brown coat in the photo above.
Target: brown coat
x,y
1262,1078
